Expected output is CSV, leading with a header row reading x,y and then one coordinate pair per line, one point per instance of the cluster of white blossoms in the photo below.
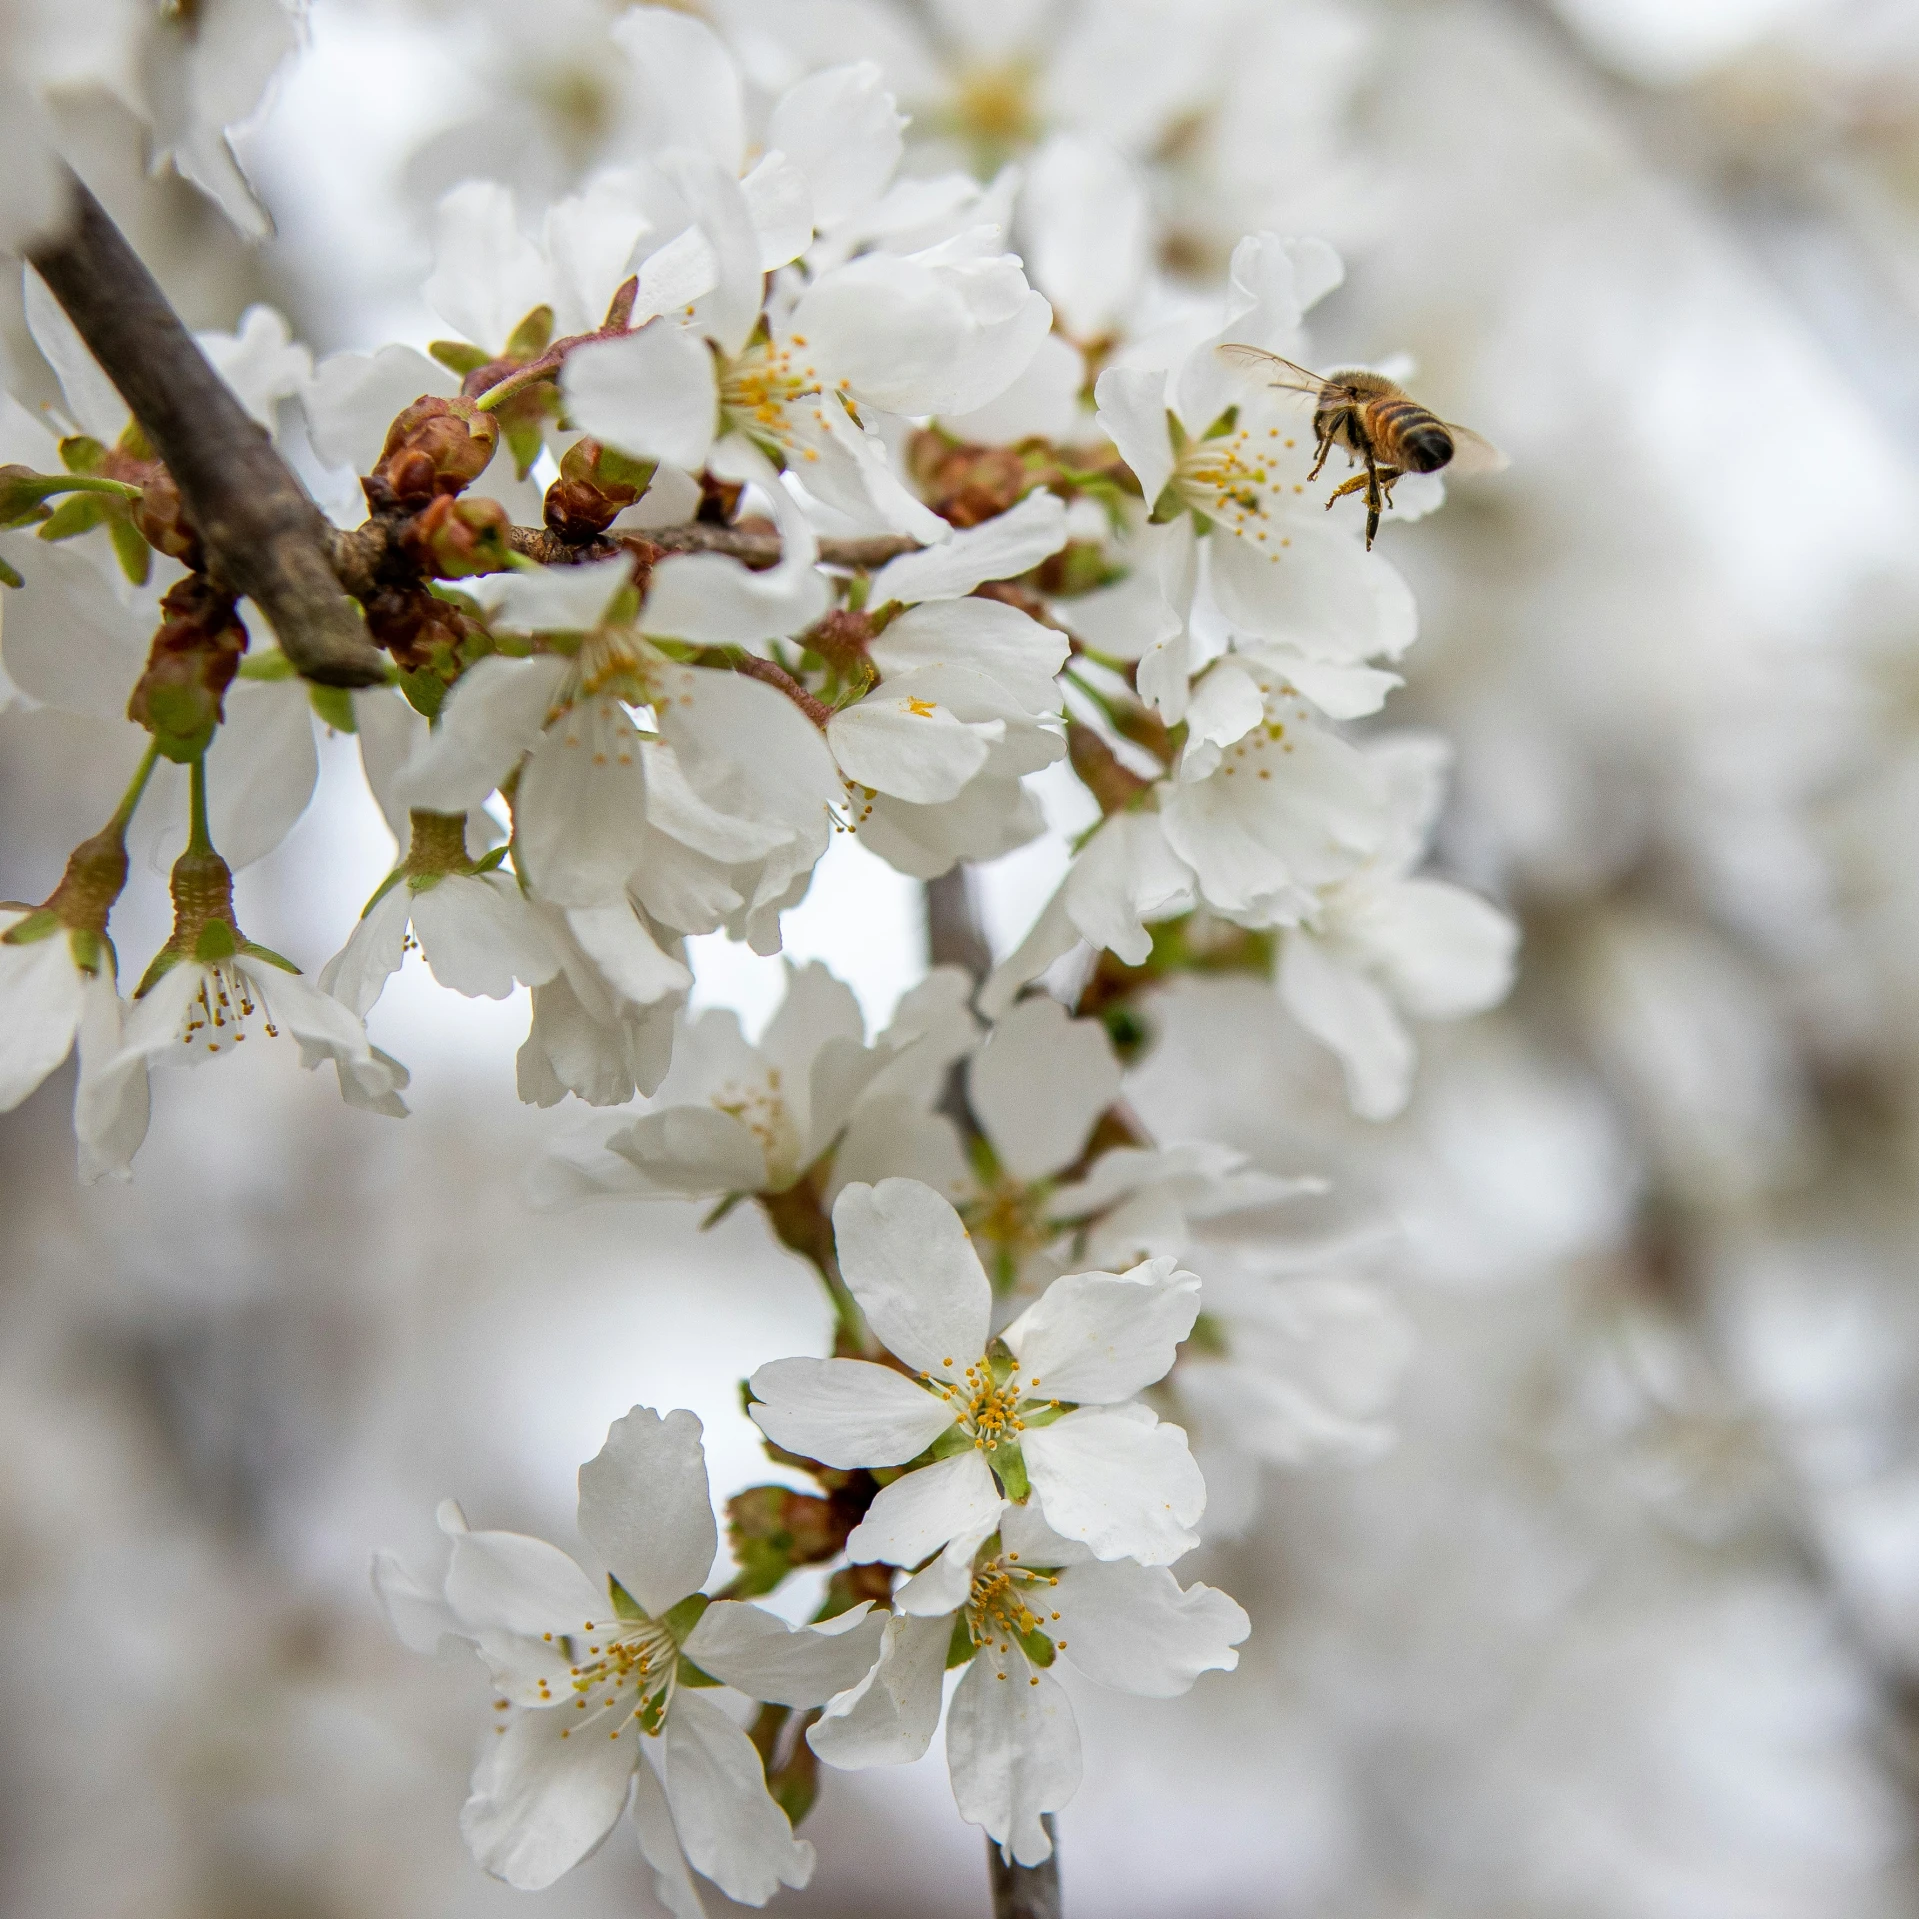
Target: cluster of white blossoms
x,y
816,510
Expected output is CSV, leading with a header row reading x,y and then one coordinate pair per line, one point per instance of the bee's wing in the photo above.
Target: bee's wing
x,y
1472,453
1278,372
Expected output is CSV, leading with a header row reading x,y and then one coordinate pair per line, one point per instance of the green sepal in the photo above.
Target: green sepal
x,y
692,1675
531,337
681,1619
162,963
89,949
334,704
10,575
425,693
959,1648
1167,508
216,942
41,924
254,950
621,469
721,1210
1035,1416
625,1606
1009,1468
1226,422
763,1565
269,663
130,548
1036,1646
383,889
184,748
82,453
525,440
954,1439
653,1711
493,859
78,513
458,357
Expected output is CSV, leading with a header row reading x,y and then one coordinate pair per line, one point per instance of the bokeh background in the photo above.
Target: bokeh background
x,y
1627,1626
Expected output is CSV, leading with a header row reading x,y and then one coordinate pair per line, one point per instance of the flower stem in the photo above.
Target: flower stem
x,y
200,839
1026,1892
123,813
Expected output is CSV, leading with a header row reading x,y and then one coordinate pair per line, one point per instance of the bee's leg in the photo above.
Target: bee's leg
x,y
1354,485
1325,447
1372,499
1387,476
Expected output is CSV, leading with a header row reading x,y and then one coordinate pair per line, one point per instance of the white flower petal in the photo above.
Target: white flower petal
x,y
1344,1010
921,1510
419,1615
911,748
841,130
260,768
549,599
760,1655
689,86
352,398
1132,414
999,549
357,974
1134,1629
646,1509
67,640
1126,1488
1089,232
728,1825
511,1582
1097,1338
494,714
629,958
542,1801
1443,952
995,639
694,1151
909,1263
1311,586
92,399
889,1718
480,936
487,275
846,1412
390,731
1038,1085
324,1028
1012,1747
780,205
40,1001
660,1847
111,1103
942,1587
651,394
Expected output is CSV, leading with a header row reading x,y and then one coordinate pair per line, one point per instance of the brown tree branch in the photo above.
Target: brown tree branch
x,y
1025,1892
263,535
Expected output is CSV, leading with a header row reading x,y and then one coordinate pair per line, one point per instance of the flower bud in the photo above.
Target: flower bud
x,y
434,447
161,518
195,654
967,485
453,538
595,485
415,627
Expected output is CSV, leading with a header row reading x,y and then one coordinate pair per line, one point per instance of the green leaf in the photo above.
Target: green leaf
x,y
458,357
334,704
130,549
681,1619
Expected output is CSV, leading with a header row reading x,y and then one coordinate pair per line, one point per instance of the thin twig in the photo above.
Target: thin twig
x,y
263,535
1026,1892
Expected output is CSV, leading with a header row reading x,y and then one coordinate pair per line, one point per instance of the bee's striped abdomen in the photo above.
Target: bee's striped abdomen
x,y
1405,435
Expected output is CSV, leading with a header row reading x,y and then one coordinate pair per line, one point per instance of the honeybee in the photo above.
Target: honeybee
x,y
1375,421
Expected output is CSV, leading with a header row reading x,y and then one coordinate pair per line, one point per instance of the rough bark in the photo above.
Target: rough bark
x,y
263,535
1025,1892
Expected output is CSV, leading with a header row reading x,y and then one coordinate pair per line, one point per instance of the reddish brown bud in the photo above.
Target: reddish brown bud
x,y
163,523
453,538
719,500
414,626
967,485
1114,786
180,697
436,447
595,486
